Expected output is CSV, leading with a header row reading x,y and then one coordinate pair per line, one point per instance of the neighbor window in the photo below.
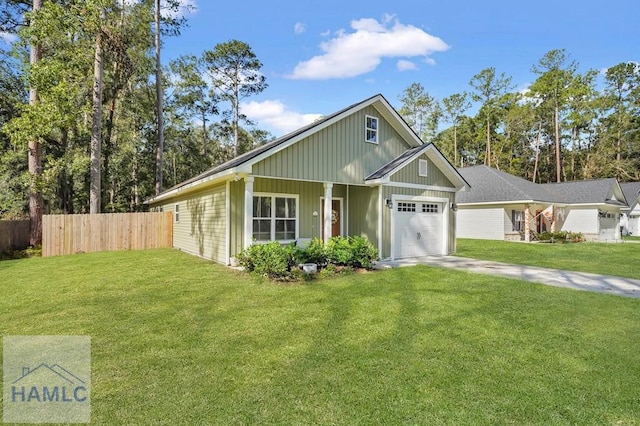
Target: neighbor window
x,y
517,220
176,213
371,129
422,168
274,218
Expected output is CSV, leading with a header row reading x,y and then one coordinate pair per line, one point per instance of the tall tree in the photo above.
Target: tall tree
x,y
489,89
421,111
36,202
622,98
454,108
95,194
235,71
192,95
160,147
555,77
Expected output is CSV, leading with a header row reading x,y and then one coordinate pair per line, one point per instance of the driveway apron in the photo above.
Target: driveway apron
x,y
555,277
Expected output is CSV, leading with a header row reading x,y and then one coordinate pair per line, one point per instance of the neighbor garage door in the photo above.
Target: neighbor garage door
x,y
608,226
418,229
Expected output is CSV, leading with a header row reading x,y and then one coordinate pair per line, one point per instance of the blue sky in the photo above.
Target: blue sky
x,y
320,57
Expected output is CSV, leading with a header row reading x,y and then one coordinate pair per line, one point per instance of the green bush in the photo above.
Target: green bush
x,y
363,253
356,252
279,261
272,259
339,251
560,236
315,252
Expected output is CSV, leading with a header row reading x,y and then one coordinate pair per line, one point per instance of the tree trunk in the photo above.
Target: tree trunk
x,y
535,165
455,144
236,119
487,160
95,193
556,119
574,138
160,147
36,202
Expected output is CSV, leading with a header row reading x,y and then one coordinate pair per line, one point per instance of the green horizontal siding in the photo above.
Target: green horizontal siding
x,y
201,225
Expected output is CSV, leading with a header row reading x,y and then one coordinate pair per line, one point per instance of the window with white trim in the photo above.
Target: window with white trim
x,y
423,168
406,207
371,129
429,208
176,213
517,220
274,218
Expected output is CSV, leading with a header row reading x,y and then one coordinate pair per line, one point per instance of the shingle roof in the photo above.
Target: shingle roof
x,y
491,185
584,191
396,162
631,191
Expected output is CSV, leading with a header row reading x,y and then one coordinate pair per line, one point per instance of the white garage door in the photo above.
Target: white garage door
x,y
634,221
608,225
418,229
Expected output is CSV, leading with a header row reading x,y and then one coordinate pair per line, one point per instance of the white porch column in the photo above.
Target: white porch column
x,y
527,223
248,211
326,226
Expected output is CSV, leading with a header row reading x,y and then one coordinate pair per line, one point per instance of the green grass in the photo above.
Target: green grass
x,y
599,258
180,341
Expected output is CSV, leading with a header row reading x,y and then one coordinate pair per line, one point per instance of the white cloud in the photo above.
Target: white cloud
x,y
325,33
8,37
349,54
299,28
404,65
275,114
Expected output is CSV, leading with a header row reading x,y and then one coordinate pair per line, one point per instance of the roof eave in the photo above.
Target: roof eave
x,y
223,176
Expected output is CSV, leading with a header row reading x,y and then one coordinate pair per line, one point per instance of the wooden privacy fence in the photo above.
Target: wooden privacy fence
x,y
14,235
84,233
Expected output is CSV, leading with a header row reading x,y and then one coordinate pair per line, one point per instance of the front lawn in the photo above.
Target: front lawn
x,y
599,258
181,341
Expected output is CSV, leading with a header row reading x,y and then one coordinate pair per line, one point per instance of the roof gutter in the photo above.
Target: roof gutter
x,y
234,173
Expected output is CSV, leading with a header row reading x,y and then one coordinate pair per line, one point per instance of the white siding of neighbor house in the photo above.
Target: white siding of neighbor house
x,y
479,223
583,220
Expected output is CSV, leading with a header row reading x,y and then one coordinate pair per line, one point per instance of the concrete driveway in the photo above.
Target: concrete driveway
x,y
556,277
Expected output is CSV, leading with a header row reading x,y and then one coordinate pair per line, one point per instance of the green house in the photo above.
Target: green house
x,y
360,171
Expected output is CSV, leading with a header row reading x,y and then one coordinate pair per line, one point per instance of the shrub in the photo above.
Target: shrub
x,y
356,252
339,251
363,253
560,236
272,259
315,252
277,261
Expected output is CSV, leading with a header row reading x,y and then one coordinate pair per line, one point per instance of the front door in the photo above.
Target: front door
x,y
336,218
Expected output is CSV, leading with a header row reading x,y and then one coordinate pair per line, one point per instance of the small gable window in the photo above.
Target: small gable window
x,y
423,168
371,129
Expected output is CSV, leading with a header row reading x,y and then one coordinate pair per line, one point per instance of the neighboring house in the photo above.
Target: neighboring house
x,y
630,222
360,171
500,206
